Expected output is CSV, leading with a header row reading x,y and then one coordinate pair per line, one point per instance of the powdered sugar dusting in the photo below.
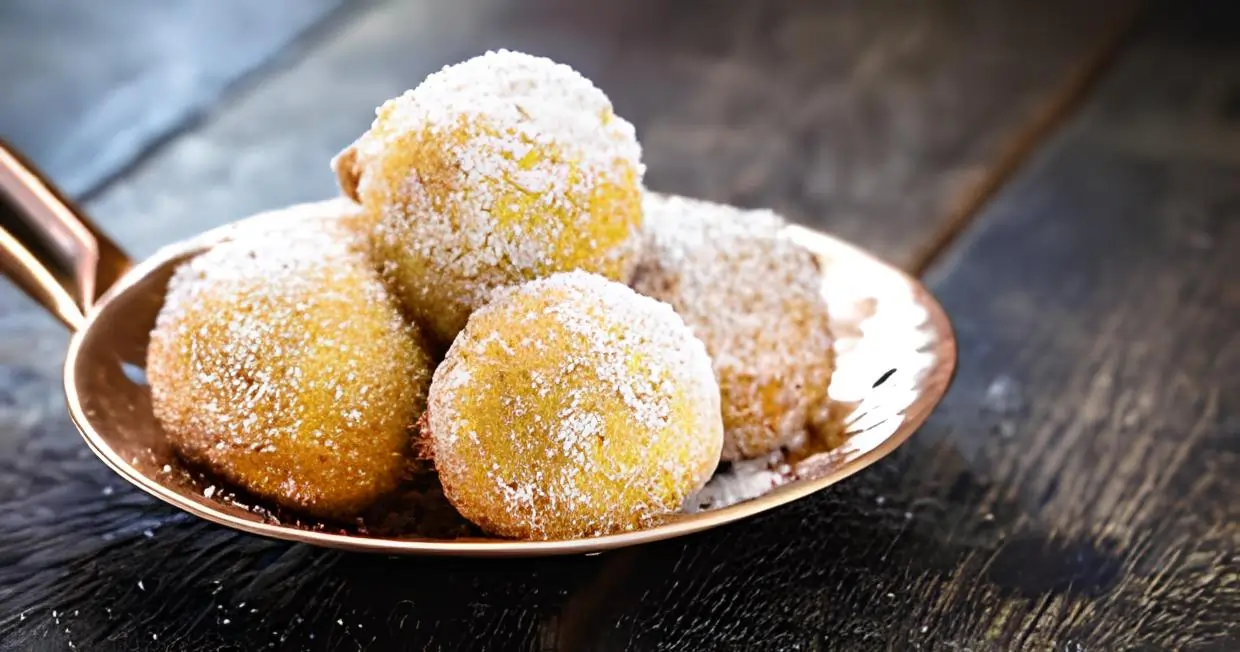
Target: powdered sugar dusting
x,y
280,361
338,218
600,411
498,169
528,101
754,297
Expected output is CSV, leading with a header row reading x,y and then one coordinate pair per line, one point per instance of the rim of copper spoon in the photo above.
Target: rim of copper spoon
x,y
72,269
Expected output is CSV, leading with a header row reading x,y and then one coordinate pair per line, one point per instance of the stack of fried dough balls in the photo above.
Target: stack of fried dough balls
x,y
605,346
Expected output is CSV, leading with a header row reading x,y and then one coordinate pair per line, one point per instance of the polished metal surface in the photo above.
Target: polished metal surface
x,y
895,350
47,247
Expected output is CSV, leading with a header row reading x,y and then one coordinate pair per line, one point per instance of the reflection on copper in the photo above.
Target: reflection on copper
x,y
48,248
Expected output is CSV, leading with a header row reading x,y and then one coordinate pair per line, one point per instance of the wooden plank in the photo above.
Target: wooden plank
x,y
874,119
1078,489
87,86
865,117
1100,304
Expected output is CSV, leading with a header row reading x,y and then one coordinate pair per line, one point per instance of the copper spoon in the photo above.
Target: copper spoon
x,y
895,358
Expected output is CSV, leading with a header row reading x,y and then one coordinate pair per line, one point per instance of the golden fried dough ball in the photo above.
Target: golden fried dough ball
x,y
503,168
572,406
280,362
752,296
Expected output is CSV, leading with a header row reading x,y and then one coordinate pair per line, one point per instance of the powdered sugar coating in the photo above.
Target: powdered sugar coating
x,y
754,298
571,406
503,168
280,362
341,218
338,218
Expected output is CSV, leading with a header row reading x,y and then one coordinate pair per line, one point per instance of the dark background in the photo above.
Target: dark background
x,y
1064,175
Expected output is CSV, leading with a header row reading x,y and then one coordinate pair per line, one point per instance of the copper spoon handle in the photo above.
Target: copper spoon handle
x,y
48,248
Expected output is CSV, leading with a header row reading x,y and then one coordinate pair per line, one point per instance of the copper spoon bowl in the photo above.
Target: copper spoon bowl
x,y
896,355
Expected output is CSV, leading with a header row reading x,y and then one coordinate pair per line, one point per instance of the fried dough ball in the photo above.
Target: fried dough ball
x,y
280,362
571,406
753,298
500,169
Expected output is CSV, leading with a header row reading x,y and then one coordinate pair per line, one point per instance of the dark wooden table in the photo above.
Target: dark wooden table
x,y
1066,176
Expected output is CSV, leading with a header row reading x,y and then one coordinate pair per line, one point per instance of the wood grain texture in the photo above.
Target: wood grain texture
x,y
870,118
88,86
1077,491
